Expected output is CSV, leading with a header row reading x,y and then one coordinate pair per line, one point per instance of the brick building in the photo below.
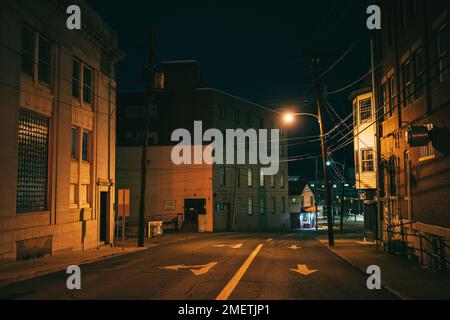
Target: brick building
x,y
57,129
413,95
236,197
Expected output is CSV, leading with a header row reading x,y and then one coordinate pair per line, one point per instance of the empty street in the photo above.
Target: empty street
x,y
242,266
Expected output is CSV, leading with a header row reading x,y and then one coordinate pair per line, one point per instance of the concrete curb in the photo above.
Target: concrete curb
x,y
59,268
388,288
43,272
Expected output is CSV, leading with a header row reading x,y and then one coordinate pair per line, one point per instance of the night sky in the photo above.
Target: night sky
x,y
252,49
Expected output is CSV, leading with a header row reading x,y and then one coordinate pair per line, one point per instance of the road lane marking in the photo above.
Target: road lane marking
x,y
294,247
233,246
231,285
303,270
197,270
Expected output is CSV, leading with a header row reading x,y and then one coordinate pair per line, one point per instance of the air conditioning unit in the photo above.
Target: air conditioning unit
x,y
419,136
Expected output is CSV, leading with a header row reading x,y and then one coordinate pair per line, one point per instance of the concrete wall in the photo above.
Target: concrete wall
x,y
61,221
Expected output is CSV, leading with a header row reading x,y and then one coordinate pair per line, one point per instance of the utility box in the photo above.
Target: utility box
x,y
155,229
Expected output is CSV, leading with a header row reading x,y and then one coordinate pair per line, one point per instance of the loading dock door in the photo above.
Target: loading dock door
x,y
192,209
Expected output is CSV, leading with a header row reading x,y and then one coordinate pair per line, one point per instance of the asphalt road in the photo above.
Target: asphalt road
x,y
242,266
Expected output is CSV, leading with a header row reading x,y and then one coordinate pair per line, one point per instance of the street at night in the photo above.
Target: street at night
x,y
201,270
220,159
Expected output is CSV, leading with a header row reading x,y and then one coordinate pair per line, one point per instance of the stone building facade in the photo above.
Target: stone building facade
x,y
57,129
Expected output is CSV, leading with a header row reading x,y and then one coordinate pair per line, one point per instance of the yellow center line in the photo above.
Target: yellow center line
x,y
231,285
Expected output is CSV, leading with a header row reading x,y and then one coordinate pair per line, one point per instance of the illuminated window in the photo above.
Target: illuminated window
x,y
365,110
250,206
282,180
367,160
250,177
32,177
261,177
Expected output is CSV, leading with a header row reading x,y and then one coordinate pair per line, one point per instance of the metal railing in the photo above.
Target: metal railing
x,y
439,246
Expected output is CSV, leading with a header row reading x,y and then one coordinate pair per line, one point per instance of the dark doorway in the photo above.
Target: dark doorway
x,y
103,215
192,209
295,221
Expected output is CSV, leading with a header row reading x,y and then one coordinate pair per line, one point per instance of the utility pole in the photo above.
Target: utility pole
x,y
319,92
342,200
149,70
378,140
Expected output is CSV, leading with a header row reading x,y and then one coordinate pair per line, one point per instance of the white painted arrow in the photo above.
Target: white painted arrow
x,y
234,246
303,270
294,247
197,270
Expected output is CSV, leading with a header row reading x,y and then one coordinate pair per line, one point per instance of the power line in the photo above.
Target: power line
x,y
339,59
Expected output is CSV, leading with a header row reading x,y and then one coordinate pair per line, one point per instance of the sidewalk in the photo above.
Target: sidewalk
x,y
15,271
403,278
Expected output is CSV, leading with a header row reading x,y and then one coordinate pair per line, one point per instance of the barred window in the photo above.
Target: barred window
x,y
365,110
367,160
32,177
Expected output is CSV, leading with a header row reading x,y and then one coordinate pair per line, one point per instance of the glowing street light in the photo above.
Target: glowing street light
x,y
289,117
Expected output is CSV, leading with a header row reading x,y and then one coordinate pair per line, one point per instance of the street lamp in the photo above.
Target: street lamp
x,y
289,117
